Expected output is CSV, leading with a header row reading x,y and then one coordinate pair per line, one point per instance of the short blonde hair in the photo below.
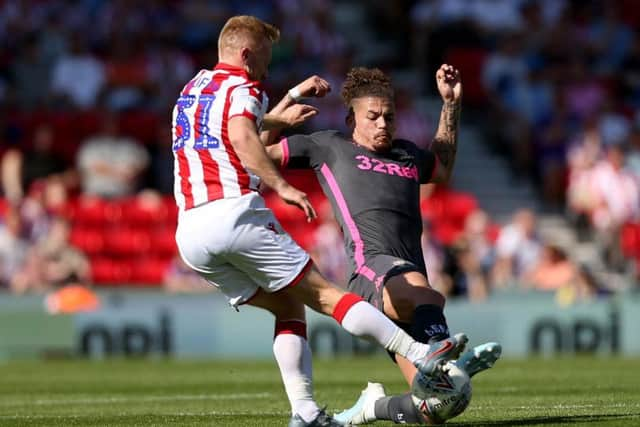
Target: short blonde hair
x,y
239,29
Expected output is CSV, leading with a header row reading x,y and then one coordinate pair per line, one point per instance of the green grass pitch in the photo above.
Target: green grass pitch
x,y
536,392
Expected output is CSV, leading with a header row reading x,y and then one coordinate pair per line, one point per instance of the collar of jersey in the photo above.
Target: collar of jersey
x,y
237,71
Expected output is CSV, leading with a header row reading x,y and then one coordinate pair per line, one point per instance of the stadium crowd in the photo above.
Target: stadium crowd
x,y
87,86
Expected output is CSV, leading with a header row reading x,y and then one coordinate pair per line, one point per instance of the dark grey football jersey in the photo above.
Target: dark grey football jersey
x,y
375,197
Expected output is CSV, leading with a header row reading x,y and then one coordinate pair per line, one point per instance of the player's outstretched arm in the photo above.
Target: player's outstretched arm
x,y
288,113
245,141
445,142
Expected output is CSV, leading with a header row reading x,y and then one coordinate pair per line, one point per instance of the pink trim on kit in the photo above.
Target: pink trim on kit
x,y
351,225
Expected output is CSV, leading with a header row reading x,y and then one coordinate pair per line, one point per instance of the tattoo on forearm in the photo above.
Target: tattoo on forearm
x,y
445,143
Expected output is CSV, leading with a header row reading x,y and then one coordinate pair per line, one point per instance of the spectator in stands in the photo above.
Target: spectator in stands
x,y
466,273
518,248
168,68
29,73
128,78
110,164
582,156
553,270
38,162
584,93
584,288
504,77
616,200
78,77
608,37
13,246
52,262
478,235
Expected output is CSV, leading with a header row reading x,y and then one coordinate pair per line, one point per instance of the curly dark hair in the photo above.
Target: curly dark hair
x,y
362,82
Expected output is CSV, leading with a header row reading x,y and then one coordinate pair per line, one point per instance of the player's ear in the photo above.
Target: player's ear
x,y
245,52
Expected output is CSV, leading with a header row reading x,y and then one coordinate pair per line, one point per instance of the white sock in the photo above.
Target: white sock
x,y
293,356
364,320
402,344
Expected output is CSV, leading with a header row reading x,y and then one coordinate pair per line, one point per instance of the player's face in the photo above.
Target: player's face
x,y
374,125
258,59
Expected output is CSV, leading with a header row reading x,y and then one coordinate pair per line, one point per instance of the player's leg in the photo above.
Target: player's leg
x,y
291,351
217,253
373,404
402,292
269,256
294,357
363,320
410,301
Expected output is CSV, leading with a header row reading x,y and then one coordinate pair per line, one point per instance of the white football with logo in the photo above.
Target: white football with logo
x,y
442,398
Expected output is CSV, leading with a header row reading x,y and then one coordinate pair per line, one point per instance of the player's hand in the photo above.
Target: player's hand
x,y
297,114
293,196
449,83
314,86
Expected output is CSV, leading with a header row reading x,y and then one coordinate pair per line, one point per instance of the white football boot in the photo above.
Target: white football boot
x,y
363,411
479,358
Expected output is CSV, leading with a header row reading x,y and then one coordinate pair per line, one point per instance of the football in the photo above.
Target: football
x,y
444,397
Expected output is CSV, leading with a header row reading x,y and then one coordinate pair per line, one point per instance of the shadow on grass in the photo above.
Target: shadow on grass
x,y
539,421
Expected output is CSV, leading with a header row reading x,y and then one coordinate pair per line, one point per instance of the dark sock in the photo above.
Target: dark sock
x,y
399,409
429,325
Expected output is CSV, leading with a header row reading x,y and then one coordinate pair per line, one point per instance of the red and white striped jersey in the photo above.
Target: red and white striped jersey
x,y
206,167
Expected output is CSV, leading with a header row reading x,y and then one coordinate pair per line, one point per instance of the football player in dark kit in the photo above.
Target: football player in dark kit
x,y
373,183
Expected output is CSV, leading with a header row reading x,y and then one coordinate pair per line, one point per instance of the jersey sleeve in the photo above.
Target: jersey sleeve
x,y
302,151
427,164
247,100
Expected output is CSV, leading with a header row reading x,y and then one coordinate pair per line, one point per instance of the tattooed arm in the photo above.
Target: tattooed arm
x,y
445,142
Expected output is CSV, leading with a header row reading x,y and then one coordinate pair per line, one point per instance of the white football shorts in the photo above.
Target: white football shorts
x,y
238,246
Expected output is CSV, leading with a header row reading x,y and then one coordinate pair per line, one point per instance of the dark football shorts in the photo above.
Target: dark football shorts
x,y
384,267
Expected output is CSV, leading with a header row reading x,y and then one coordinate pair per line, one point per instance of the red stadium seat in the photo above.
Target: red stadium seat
x,y
163,242
172,210
145,211
94,211
106,270
127,241
150,271
88,240
458,206
630,240
446,233
433,208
